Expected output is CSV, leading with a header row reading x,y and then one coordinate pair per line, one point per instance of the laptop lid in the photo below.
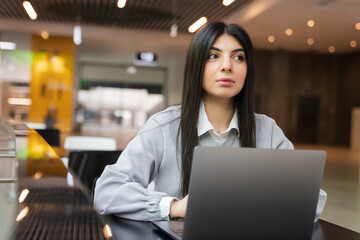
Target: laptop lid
x,y
248,193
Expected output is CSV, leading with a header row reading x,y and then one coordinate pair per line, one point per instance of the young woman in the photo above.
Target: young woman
x,y
217,110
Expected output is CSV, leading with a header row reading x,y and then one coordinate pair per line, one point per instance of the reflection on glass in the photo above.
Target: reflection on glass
x,y
22,214
23,195
38,175
70,179
107,231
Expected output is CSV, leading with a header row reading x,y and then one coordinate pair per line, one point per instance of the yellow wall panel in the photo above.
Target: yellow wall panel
x,y
51,86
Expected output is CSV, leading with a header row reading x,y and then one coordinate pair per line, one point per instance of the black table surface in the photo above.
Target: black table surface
x,y
53,200
131,230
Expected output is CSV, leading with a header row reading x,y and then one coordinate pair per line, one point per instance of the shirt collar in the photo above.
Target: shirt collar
x,y
204,124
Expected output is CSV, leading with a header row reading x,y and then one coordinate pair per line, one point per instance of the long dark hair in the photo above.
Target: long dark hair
x,y
192,93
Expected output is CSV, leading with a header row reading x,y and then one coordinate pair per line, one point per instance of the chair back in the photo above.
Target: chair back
x,y
90,143
51,136
88,165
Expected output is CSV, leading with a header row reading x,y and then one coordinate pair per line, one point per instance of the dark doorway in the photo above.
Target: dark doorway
x,y
307,119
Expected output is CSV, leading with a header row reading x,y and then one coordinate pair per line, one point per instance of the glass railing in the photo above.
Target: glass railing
x,y
8,179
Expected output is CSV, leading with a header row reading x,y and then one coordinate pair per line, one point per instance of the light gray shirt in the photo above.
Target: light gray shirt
x,y
153,156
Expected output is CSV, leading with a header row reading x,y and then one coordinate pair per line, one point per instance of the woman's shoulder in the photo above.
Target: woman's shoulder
x,y
170,115
269,134
262,118
264,122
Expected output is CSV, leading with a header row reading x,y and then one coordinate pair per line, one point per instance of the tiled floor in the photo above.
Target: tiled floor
x,y
340,181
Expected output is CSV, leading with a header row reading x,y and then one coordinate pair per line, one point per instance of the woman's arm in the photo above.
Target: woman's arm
x,y
122,188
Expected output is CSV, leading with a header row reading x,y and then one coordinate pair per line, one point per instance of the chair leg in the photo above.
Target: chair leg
x,y
93,191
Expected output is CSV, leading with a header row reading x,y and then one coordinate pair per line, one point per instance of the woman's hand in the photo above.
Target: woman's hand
x,y
178,208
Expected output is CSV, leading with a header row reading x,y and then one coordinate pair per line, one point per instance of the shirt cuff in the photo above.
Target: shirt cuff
x,y
165,207
321,204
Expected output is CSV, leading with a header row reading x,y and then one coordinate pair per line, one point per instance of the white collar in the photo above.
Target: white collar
x,y
204,124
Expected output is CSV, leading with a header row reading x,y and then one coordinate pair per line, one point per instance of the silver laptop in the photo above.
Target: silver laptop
x,y
248,193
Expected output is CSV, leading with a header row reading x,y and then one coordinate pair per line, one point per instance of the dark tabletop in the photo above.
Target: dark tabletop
x,y
131,230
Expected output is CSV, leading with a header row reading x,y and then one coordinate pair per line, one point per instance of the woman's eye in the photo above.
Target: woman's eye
x,y
212,56
240,58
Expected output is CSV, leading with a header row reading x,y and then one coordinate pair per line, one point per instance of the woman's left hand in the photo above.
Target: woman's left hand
x,y
178,208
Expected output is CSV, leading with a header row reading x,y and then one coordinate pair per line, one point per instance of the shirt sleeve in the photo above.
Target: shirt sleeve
x,y
122,188
278,138
165,207
321,204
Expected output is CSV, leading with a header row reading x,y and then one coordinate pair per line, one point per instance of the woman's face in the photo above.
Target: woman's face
x,y
225,69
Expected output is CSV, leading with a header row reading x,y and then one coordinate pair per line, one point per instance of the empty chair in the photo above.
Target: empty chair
x,y
51,136
90,143
88,165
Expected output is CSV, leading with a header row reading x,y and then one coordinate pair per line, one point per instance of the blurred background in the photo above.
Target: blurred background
x,y
92,63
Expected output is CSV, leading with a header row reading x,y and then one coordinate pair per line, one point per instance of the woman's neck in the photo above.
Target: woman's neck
x,y
219,113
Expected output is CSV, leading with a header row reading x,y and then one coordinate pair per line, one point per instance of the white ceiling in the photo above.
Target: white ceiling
x,y
334,25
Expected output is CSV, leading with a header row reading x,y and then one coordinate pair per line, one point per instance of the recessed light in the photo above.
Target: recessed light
x,y
227,2
331,49
289,31
271,39
310,41
30,10
311,23
198,24
357,26
173,30
353,43
45,35
77,35
121,3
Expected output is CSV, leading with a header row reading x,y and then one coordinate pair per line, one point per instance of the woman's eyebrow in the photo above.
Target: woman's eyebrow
x,y
235,50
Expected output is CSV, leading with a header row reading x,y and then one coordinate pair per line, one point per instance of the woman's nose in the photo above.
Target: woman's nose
x,y
226,65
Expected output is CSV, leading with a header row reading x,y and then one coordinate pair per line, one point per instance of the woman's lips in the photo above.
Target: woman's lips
x,y
225,82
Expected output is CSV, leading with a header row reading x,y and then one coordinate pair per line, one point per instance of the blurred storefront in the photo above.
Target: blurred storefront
x,y
43,84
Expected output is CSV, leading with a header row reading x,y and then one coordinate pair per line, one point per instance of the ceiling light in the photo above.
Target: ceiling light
x,y
173,30
30,10
77,35
357,26
353,43
311,23
289,31
271,39
19,101
227,2
131,70
331,49
45,35
310,41
199,23
121,3
7,46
